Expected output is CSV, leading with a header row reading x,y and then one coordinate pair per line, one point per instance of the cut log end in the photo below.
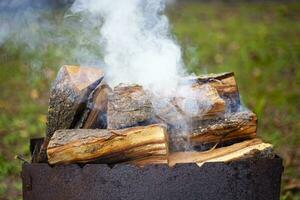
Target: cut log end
x,y
80,77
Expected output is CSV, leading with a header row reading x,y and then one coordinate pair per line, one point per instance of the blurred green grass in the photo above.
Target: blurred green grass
x,y
260,42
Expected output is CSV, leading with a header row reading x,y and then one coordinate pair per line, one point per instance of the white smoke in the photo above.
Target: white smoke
x,y
129,39
138,46
35,26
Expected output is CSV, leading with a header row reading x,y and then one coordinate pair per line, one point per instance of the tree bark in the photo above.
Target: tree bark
x,y
128,105
68,97
140,145
249,148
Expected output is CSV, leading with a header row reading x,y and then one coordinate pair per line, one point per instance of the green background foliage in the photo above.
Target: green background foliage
x,y
260,42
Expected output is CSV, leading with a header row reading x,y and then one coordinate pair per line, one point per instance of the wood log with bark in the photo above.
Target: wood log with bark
x,y
128,105
68,97
137,145
249,148
201,113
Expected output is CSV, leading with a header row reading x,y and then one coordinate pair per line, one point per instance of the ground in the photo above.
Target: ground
x,y
260,42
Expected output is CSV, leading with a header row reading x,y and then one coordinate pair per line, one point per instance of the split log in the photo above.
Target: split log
x,y
202,103
95,114
224,87
131,105
240,125
140,145
224,83
128,105
189,104
246,149
68,97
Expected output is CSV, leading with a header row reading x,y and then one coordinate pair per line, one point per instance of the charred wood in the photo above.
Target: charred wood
x,y
95,113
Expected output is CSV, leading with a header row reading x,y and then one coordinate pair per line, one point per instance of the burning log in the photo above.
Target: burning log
x,y
128,105
242,150
234,126
137,145
95,114
68,97
224,83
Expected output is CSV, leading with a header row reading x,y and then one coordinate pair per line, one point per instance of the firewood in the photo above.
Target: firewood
x,y
95,113
204,102
191,103
128,105
254,148
68,97
131,105
240,125
148,144
224,88
224,83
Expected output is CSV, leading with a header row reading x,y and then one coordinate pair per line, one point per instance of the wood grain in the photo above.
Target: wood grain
x,y
253,147
109,146
68,96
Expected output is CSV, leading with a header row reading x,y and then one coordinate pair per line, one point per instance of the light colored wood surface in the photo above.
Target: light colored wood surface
x,y
223,154
109,146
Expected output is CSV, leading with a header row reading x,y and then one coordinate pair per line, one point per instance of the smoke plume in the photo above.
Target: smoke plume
x,y
137,44
138,48
130,40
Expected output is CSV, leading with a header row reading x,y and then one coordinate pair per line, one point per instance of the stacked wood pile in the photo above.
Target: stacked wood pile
x,y
203,121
